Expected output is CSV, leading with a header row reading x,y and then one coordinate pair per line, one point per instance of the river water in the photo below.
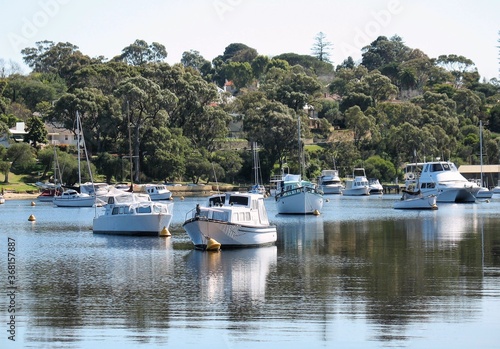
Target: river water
x,y
360,275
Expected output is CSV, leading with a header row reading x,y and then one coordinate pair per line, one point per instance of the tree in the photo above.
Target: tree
x,y
20,156
36,132
271,124
359,123
383,52
240,73
195,60
140,52
145,101
294,89
458,66
47,56
321,48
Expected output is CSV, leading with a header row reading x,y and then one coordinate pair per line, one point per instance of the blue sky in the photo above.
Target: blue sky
x,y
272,27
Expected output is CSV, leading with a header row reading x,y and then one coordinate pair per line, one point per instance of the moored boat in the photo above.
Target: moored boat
x,y
232,219
441,178
127,213
297,196
329,182
156,191
357,184
416,201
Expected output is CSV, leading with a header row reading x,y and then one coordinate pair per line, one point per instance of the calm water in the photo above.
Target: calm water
x,y
360,275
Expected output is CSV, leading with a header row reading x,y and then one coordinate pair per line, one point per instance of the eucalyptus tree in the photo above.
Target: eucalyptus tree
x,y
140,52
293,87
20,157
196,110
359,123
166,150
104,76
271,124
196,61
240,73
100,114
468,103
458,66
143,101
383,52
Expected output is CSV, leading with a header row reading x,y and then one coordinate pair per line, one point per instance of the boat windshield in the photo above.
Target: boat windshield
x,y
238,200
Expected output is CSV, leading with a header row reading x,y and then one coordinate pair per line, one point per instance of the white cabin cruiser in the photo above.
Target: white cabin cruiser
x,y
232,220
329,182
441,178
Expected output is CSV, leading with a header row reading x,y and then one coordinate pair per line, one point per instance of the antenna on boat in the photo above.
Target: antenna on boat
x,y
215,176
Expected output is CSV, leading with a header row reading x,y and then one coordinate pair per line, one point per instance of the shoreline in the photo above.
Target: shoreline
x,y
19,196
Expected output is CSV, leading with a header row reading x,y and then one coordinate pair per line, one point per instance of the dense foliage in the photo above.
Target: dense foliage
x,y
181,120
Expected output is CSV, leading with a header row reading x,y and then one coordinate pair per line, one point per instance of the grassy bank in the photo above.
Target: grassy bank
x,y
19,184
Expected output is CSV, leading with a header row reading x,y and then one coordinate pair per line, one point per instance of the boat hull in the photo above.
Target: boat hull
x,y
417,203
229,235
331,189
360,191
454,195
74,202
300,202
133,224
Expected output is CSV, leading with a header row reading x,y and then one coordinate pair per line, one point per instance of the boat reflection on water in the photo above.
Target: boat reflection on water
x,y
239,275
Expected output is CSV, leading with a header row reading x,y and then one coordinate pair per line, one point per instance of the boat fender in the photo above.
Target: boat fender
x,y
31,218
212,245
164,232
411,176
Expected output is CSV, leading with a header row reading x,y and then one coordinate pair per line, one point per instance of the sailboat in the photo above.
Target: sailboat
x,y
70,197
51,190
295,195
257,188
483,193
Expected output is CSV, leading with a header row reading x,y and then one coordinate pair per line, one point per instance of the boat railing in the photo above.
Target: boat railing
x,y
297,191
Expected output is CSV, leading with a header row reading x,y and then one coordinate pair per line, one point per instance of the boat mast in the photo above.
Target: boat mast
x,y
300,148
78,130
481,148
130,150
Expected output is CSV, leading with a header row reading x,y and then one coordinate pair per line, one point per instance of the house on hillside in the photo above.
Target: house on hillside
x,y
15,135
56,135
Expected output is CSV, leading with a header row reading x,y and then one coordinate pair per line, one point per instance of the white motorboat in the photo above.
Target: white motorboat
x,y
329,182
127,213
416,201
357,184
156,191
441,178
232,219
72,198
375,186
496,190
297,196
